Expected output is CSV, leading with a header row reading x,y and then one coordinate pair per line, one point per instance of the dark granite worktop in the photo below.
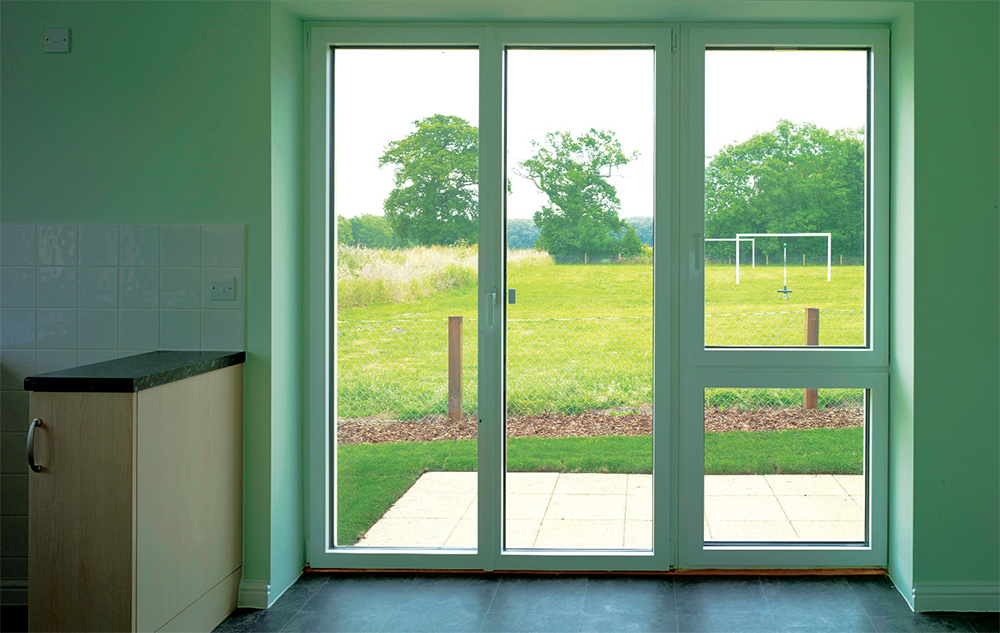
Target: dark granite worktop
x,y
133,373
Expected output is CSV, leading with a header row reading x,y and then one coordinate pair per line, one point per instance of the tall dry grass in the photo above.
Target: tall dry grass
x,y
368,276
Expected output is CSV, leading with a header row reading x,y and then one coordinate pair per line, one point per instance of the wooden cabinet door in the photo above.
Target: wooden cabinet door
x,y
80,543
189,448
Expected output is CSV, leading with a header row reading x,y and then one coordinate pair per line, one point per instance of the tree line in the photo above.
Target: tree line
x,y
795,178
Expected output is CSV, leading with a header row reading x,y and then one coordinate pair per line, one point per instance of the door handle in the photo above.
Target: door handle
x,y
698,247
31,445
491,297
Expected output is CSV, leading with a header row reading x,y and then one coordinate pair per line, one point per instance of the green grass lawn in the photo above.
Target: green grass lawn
x,y
579,337
371,477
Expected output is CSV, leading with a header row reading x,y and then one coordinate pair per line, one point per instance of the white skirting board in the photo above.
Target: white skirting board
x,y
254,594
956,596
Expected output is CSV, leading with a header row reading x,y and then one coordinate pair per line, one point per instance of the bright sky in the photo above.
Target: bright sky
x,y
378,94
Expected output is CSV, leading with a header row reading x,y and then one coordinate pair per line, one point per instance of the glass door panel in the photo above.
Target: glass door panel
x,y
785,465
786,197
405,196
580,134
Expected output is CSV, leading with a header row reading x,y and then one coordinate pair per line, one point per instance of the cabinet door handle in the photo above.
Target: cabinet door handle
x,y
31,445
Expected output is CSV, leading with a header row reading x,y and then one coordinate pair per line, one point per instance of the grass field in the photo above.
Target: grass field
x,y
578,338
371,477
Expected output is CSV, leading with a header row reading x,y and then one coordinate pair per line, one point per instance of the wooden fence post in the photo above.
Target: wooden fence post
x,y
584,258
810,396
803,259
841,259
767,260
455,368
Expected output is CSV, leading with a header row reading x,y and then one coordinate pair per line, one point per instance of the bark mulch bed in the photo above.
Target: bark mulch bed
x,y
594,423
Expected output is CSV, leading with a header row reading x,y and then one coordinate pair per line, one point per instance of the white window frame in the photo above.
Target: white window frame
x,y
695,40
682,367
695,553
491,42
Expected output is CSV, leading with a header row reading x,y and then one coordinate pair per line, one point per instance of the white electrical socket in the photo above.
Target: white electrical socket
x,y
223,288
56,40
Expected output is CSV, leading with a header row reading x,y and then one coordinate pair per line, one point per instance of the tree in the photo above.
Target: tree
x,y
631,245
643,228
521,233
435,196
797,178
345,235
373,231
582,214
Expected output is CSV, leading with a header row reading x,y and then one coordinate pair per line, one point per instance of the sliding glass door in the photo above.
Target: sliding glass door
x,y
602,298
580,151
404,314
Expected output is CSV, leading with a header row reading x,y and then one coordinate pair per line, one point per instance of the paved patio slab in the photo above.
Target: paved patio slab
x,y
614,511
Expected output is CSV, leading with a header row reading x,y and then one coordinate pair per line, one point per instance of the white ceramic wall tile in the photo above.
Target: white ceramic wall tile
x,y
180,287
180,329
15,366
17,245
98,287
55,329
17,286
139,329
55,286
64,302
180,245
139,245
222,330
53,360
98,329
139,287
14,494
15,568
91,356
17,328
56,245
14,406
206,289
222,246
15,533
98,245
125,353
12,455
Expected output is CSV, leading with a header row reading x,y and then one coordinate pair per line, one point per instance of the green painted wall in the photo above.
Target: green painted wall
x,y
956,425
287,471
901,308
160,114
176,112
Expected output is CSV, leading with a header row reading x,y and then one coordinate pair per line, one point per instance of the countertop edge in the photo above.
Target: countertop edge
x,y
66,381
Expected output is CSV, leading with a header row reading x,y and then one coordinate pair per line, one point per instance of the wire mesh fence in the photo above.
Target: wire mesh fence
x,y
837,328
745,399
397,370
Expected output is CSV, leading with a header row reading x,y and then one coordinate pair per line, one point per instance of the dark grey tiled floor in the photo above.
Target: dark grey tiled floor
x,y
581,604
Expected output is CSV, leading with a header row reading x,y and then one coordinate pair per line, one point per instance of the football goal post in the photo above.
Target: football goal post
x,y
829,247
753,247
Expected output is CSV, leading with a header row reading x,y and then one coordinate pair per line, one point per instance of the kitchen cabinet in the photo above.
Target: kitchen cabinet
x,y
135,510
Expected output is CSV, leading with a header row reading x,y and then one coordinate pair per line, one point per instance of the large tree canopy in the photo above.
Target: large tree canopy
x,y
573,172
435,197
797,178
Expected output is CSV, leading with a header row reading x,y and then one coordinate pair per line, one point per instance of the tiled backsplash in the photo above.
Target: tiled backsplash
x,y
79,294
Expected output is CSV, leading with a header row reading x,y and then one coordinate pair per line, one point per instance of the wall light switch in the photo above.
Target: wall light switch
x,y
56,40
223,288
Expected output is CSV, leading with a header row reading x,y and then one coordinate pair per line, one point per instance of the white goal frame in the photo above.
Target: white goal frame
x,y
753,248
829,247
